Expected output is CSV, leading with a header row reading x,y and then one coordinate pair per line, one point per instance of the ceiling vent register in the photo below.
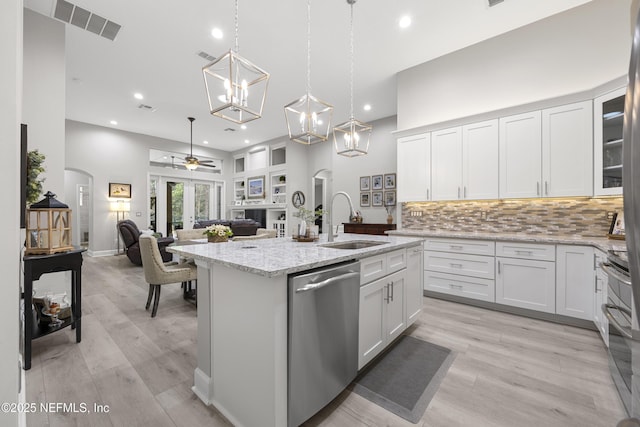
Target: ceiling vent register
x,y
494,2
82,18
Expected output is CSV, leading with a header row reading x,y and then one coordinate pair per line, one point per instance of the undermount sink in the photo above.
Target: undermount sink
x,y
353,244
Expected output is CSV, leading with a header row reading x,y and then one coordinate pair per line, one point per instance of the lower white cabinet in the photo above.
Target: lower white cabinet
x,y
382,315
600,297
414,284
575,281
526,283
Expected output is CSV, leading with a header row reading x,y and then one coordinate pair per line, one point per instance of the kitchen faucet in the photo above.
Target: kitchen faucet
x,y
330,222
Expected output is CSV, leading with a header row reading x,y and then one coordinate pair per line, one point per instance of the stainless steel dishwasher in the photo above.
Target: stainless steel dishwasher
x,y
323,337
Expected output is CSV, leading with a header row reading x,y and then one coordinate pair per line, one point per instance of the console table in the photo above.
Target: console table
x,y
364,228
34,267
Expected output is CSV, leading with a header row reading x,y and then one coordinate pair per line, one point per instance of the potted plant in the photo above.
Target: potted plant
x,y
218,233
34,183
307,219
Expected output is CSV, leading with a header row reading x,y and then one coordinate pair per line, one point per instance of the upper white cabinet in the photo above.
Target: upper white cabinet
x,y
480,160
521,155
464,162
446,164
567,147
413,168
608,113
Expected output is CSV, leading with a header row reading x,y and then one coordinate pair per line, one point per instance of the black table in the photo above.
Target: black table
x,y
34,267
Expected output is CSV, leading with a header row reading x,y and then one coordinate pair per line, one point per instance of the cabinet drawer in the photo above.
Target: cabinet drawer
x,y
373,268
467,265
474,247
396,260
469,287
526,251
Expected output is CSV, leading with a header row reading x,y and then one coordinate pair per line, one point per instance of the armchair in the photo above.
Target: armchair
x,y
131,235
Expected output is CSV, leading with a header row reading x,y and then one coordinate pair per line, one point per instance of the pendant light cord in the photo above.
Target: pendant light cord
x,y
236,24
308,47
351,65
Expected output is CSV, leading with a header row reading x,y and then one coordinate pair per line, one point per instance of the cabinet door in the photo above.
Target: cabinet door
x,y
608,120
480,160
521,155
575,281
567,150
395,317
446,164
414,284
414,165
372,329
526,284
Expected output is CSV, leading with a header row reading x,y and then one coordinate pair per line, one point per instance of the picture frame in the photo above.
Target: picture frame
x,y
390,198
389,181
118,190
376,197
365,199
255,187
376,182
365,183
616,229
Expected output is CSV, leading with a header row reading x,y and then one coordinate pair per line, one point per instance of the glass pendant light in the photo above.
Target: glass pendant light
x,y
236,88
308,118
351,138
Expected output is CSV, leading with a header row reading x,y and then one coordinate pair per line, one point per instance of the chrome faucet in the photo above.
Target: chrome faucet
x,y
330,222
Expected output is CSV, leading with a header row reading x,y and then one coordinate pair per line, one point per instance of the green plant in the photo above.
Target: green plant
x,y
307,215
34,168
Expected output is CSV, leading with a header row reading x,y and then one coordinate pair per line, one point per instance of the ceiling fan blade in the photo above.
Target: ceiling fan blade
x,y
206,161
207,166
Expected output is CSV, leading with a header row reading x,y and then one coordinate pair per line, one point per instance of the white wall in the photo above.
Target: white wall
x,y
573,51
111,155
10,118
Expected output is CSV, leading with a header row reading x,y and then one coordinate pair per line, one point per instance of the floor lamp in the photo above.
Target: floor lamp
x,y
120,207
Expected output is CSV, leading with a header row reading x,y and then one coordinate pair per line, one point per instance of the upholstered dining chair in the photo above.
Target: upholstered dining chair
x,y
156,273
261,233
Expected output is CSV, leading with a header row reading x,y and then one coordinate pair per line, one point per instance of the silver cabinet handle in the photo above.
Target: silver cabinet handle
x,y
498,267
595,261
611,272
595,283
457,287
546,188
464,191
458,192
524,252
330,280
537,188
455,265
624,330
427,194
388,296
456,247
391,291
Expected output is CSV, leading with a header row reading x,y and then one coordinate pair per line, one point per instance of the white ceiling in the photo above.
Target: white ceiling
x,y
155,54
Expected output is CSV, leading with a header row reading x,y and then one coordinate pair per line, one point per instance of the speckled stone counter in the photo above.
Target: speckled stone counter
x,y
601,243
276,257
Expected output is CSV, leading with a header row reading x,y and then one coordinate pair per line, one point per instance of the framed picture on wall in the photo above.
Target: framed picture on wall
x,y
256,187
120,191
376,197
365,183
365,199
616,229
389,198
376,182
389,181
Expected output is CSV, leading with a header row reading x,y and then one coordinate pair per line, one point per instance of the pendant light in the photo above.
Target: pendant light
x,y
308,118
236,88
351,138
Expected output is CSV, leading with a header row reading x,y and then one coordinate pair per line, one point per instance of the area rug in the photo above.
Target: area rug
x,y
405,378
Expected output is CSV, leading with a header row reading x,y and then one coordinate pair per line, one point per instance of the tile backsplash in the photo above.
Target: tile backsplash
x,y
571,216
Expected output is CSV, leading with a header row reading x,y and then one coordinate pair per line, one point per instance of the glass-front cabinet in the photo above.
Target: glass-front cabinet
x,y
608,120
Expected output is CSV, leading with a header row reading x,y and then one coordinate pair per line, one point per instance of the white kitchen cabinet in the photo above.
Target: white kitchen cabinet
x,y
526,275
567,150
446,164
414,168
600,297
608,117
521,155
414,285
382,315
480,163
575,281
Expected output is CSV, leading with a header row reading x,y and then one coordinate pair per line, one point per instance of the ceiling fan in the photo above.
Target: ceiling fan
x,y
190,162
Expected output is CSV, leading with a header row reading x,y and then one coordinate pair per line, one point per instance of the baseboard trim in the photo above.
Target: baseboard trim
x,y
97,254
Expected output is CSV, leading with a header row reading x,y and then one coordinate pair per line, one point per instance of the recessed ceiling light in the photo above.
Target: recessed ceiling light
x,y
205,142
243,127
113,122
405,21
216,33
367,107
246,141
138,95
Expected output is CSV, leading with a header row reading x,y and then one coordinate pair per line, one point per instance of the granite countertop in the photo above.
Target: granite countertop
x,y
601,243
276,257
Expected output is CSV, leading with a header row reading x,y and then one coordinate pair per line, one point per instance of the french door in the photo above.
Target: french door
x,y
177,203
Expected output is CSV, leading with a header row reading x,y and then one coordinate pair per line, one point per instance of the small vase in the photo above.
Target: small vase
x,y
217,239
389,219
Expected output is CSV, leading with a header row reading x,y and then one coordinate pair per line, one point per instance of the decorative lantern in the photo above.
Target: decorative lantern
x,y
48,226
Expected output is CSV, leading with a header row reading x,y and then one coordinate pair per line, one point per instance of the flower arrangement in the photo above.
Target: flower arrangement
x,y
218,230
307,215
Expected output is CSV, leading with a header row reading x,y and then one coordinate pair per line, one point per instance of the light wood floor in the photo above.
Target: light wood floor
x,y
509,370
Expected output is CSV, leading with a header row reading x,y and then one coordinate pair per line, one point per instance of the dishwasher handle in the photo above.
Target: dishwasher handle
x,y
330,280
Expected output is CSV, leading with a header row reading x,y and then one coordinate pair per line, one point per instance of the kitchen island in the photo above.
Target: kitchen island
x,y
242,318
